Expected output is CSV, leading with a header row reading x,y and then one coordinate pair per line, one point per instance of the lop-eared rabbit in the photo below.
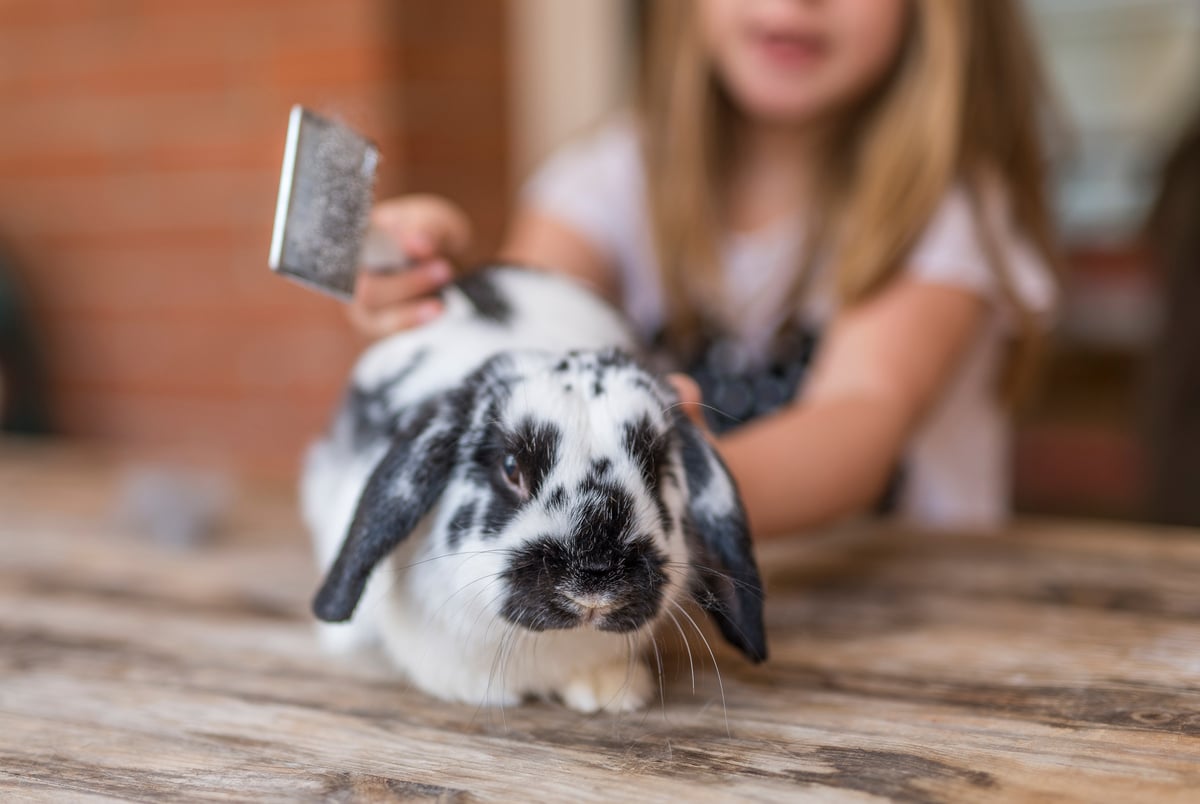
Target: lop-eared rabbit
x,y
511,503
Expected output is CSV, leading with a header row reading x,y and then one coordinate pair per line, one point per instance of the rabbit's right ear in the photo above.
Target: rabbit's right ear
x,y
404,486
729,586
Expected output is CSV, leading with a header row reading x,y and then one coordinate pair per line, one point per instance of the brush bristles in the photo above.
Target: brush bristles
x,y
328,207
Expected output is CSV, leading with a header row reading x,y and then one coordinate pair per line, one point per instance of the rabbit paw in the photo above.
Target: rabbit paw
x,y
612,687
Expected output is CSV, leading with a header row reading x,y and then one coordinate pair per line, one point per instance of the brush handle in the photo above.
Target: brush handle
x,y
381,254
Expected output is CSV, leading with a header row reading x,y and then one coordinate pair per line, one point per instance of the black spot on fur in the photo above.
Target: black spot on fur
x,y
614,358
600,466
499,513
696,466
597,368
460,524
486,471
487,451
504,502
535,446
367,416
370,415
649,452
480,289
664,514
607,514
557,501
645,447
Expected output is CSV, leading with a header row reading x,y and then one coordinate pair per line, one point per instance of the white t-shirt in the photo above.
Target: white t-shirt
x,y
956,467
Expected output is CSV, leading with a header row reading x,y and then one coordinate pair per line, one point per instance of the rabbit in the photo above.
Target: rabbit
x,y
511,502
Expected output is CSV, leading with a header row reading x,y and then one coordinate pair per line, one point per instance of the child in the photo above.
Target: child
x,y
859,180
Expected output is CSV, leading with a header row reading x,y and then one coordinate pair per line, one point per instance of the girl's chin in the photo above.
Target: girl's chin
x,y
784,110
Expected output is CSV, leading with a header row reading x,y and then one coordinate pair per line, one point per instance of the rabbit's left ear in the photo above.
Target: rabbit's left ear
x,y
728,584
407,482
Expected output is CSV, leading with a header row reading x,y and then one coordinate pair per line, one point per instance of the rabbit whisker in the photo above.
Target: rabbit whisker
x,y
484,702
494,576
732,622
517,661
501,662
716,667
725,576
367,605
487,633
384,569
514,653
662,694
629,665
466,636
487,693
706,406
687,646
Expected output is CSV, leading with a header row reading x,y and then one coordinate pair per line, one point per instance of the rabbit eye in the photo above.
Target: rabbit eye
x,y
512,472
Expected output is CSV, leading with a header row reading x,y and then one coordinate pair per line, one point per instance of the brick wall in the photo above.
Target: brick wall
x,y
139,153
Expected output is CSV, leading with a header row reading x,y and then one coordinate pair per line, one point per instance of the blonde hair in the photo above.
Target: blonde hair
x,y
961,103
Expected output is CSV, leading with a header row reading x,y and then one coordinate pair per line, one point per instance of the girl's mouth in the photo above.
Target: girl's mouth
x,y
791,50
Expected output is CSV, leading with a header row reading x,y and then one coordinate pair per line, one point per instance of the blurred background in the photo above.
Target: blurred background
x,y
139,162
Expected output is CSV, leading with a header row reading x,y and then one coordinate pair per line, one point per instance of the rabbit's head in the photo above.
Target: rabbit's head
x,y
579,481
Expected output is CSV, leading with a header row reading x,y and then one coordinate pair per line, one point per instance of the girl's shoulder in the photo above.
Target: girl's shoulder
x,y
972,241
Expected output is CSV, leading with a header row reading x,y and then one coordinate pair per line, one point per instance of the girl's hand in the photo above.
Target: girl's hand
x,y
432,232
690,400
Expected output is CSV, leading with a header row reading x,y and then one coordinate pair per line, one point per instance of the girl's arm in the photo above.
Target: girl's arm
x,y
880,367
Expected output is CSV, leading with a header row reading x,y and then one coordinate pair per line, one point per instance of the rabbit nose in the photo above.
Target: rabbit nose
x,y
592,606
591,601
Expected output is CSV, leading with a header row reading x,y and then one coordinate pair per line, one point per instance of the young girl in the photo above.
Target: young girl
x,y
855,180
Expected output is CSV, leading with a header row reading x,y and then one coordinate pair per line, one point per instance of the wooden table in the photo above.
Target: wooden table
x,y
1058,662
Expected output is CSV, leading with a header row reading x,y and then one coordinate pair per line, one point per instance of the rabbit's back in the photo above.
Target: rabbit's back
x,y
498,309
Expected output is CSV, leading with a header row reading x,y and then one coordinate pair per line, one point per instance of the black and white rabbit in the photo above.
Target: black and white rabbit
x,y
512,503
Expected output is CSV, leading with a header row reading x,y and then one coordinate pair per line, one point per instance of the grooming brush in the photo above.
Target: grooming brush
x,y
322,235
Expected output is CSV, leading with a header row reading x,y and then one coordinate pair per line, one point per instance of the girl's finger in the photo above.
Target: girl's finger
x,y
374,292
394,319
424,226
689,398
418,245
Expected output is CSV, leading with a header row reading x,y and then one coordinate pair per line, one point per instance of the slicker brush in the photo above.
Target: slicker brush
x,y
322,236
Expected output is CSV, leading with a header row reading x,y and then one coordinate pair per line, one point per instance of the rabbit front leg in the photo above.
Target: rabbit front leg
x,y
616,686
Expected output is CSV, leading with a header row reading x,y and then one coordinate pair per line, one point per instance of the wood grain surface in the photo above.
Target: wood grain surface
x,y
1058,662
